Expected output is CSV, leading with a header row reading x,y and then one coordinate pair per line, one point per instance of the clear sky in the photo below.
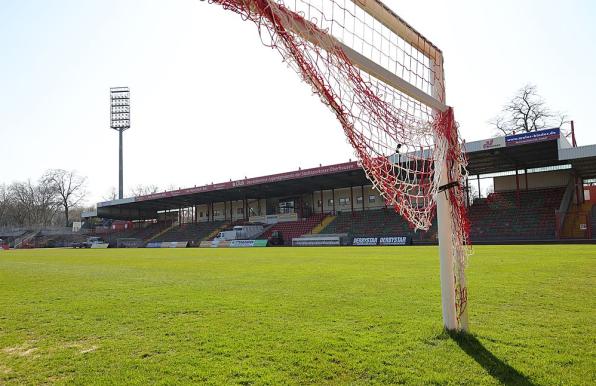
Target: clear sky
x,y
210,104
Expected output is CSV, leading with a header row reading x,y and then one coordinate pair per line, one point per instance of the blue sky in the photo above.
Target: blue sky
x,y
209,103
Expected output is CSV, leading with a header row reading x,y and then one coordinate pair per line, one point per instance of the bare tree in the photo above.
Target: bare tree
x,y
75,213
5,205
23,196
527,112
70,188
30,204
46,203
143,190
473,192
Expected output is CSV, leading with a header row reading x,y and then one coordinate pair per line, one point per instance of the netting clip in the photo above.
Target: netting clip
x,y
448,186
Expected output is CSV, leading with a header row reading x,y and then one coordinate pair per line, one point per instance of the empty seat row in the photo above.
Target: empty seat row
x,y
523,215
376,223
193,233
294,229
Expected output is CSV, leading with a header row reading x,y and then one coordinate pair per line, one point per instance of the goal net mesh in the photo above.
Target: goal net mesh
x,y
402,144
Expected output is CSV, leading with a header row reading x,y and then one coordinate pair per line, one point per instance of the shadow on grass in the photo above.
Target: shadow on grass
x,y
498,369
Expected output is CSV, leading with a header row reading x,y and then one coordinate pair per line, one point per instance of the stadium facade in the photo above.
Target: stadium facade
x,y
526,170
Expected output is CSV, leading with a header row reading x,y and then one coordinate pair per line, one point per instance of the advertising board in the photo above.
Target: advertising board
x,y
533,137
384,241
331,241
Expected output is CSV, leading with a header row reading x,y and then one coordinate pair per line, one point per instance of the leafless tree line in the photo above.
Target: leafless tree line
x,y
138,190
50,201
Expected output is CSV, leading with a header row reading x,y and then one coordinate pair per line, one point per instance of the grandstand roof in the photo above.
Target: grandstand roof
x,y
524,151
583,159
276,185
527,156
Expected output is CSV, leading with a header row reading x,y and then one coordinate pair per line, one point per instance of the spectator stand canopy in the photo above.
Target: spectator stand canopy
x,y
493,155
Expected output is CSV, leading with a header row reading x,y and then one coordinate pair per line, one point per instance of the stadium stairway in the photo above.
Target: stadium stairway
x,y
577,215
216,231
25,241
155,236
323,224
192,233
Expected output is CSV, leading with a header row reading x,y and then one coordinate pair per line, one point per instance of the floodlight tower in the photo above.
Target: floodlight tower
x,y
120,121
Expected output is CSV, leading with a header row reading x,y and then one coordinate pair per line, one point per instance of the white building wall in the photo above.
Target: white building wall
x,y
372,200
222,210
535,181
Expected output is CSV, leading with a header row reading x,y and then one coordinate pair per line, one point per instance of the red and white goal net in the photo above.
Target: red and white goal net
x,y
384,83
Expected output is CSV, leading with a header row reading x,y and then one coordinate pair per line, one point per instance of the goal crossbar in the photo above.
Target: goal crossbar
x,y
381,12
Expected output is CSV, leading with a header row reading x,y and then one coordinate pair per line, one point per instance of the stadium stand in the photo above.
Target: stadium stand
x,y
142,232
535,181
499,217
57,241
376,223
10,235
294,229
26,240
227,226
593,221
193,233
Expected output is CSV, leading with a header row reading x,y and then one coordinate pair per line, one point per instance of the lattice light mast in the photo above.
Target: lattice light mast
x,y
120,121
384,82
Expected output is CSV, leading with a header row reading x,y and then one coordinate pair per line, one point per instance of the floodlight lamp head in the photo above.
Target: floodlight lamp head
x,y
120,108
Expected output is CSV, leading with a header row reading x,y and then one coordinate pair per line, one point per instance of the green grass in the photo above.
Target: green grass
x,y
294,316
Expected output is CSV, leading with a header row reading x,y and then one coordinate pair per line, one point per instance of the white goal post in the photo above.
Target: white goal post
x,y
384,81
438,102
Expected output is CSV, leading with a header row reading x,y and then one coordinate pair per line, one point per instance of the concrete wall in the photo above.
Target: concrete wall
x,y
222,210
590,193
372,200
535,180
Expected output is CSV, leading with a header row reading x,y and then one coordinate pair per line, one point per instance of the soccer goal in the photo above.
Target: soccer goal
x,y
385,83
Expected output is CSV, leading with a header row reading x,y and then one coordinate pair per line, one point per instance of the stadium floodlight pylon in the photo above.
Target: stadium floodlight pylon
x,y
120,121
384,81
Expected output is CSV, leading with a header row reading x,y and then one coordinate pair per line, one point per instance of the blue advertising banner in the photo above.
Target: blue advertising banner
x,y
535,136
365,241
396,241
382,241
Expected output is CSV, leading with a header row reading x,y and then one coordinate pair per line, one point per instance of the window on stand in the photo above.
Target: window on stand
x,y
286,206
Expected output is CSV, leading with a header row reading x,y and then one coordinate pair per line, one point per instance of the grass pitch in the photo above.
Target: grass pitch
x,y
294,316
